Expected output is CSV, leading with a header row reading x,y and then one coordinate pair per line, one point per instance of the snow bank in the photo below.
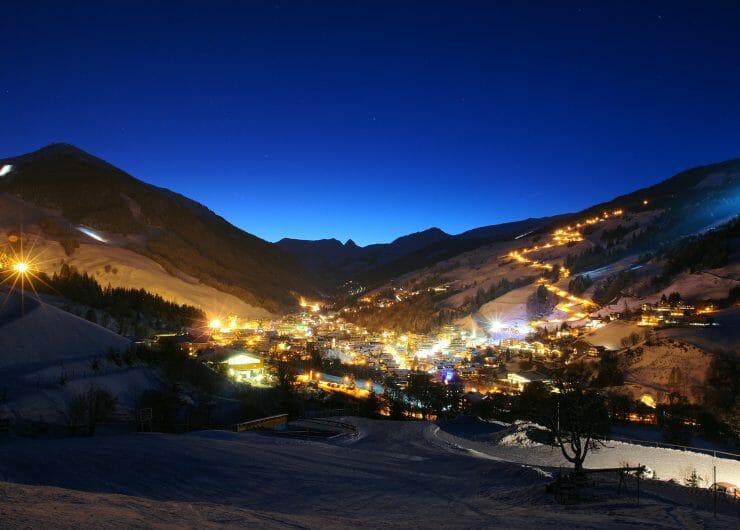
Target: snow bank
x,y
523,434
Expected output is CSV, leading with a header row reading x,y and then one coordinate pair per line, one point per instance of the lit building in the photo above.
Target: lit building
x,y
243,367
522,379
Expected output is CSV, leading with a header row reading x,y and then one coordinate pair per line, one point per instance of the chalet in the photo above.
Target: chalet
x,y
243,367
522,379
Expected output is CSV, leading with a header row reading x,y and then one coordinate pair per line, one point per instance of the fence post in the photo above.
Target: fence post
x,y
638,483
715,491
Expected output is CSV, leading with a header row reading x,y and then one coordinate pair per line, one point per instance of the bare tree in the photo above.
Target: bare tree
x,y
286,391
577,418
88,410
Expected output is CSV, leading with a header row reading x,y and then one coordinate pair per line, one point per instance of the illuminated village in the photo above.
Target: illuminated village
x,y
337,356
338,265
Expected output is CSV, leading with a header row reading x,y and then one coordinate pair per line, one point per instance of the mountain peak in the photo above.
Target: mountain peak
x,y
177,233
350,244
61,151
429,235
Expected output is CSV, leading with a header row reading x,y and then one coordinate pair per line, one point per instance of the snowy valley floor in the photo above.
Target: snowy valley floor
x,y
394,474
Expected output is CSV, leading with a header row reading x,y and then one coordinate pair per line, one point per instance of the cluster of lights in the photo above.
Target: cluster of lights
x,y
497,327
604,216
562,236
313,306
517,256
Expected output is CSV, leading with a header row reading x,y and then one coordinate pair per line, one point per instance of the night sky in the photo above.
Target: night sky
x,y
370,120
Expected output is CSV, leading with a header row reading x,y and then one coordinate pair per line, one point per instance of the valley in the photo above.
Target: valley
x,y
320,265
429,327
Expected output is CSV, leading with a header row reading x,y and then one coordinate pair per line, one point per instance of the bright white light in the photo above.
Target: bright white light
x,y
7,168
21,267
496,326
91,234
241,359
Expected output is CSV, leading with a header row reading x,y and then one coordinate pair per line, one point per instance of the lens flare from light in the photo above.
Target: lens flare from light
x,y
21,268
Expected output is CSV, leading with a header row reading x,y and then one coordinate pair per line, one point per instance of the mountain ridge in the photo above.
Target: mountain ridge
x,y
381,261
175,231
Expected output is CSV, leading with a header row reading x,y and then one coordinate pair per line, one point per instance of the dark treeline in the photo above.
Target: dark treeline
x,y
580,283
617,233
424,398
418,314
483,296
540,303
706,251
612,287
716,418
425,312
133,309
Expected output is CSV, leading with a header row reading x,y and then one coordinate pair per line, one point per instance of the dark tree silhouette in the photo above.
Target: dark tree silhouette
x,y
90,409
577,418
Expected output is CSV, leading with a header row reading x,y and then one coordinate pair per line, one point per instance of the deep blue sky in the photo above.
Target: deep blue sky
x,y
371,120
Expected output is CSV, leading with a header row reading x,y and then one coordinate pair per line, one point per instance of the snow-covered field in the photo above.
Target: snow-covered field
x,y
611,334
393,474
510,308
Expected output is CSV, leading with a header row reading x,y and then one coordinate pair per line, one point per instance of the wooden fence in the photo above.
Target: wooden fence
x,y
269,422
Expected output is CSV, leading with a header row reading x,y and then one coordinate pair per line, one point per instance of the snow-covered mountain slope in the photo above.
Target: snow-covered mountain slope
x,y
116,260
49,356
34,333
629,235
74,198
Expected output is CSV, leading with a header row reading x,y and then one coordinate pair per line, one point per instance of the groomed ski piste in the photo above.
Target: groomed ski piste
x,y
464,474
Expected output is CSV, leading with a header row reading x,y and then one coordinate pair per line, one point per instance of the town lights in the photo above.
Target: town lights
x,y
21,267
215,323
